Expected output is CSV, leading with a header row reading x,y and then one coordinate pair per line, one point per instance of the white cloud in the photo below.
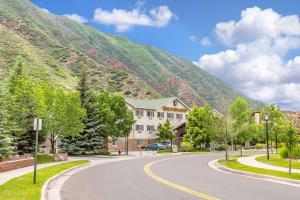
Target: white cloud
x,y
255,61
205,42
76,18
124,20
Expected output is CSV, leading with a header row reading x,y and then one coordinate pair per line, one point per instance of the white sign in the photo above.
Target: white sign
x,y
35,124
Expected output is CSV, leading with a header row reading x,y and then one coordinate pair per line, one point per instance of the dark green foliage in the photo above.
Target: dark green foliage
x,y
6,146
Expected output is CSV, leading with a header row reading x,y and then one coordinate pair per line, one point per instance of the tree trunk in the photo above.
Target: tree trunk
x,y
226,152
290,160
171,145
52,141
241,150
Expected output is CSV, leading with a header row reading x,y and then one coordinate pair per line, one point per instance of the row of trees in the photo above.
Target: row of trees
x,y
84,116
235,125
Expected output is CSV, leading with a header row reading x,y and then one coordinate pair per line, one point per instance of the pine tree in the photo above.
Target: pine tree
x,y
22,108
91,139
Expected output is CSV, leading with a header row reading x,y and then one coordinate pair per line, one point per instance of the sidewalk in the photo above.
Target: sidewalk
x,y
6,176
250,161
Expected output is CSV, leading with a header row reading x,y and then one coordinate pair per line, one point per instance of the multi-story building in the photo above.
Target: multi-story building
x,y
148,114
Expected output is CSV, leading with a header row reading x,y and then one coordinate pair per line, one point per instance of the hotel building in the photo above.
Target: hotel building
x,y
148,114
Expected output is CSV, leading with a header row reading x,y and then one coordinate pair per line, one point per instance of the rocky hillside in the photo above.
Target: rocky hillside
x,y
55,48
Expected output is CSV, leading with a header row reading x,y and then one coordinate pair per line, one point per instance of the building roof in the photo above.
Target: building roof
x,y
151,104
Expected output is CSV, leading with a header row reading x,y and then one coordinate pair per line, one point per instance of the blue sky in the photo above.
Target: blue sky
x,y
195,18
213,34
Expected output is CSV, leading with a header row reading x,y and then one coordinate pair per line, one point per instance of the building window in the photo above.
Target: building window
x,y
150,114
139,113
151,142
139,127
179,116
150,128
139,142
114,142
160,114
170,115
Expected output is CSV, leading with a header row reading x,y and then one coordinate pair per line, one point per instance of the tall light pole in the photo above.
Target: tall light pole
x,y
267,135
37,126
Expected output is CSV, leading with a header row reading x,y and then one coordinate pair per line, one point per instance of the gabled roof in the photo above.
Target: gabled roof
x,y
151,104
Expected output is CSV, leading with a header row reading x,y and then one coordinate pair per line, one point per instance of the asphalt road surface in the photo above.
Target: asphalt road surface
x,y
127,180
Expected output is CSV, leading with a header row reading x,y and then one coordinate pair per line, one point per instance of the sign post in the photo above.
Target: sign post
x,y
37,126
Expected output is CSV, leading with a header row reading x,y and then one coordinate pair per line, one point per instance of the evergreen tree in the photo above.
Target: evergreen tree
x,y
23,107
90,139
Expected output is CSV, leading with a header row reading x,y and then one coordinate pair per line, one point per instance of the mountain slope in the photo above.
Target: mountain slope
x,y
56,48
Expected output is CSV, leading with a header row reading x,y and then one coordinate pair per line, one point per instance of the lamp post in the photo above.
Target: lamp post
x,y
37,126
267,135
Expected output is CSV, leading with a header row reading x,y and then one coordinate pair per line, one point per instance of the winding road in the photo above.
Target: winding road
x,y
170,177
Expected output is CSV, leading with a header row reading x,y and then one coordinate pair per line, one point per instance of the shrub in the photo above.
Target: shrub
x,y
6,146
260,146
104,152
283,152
221,148
186,146
45,158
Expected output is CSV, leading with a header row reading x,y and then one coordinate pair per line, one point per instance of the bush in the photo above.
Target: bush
x,y
45,158
186,146
260,146
6,146
221,148
283,152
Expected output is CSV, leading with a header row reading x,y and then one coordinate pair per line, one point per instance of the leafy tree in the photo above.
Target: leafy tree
x,y
241,117
115,118
166,132
201,125
226,133
63,114
275,115
290,138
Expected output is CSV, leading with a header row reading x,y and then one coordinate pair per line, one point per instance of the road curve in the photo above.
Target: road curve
x,y
127,180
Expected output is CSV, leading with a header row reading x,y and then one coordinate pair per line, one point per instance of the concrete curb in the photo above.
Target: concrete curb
x,y
47,186
255,175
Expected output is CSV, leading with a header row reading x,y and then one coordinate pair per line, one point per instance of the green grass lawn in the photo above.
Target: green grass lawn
x,y
234,164
276,160
22,188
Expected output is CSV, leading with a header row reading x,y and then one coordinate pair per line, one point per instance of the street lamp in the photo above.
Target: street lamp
x,y
267,135
37,126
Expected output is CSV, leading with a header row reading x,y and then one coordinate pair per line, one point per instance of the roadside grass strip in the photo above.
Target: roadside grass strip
x,y
22,188
276,160
234,164
147,170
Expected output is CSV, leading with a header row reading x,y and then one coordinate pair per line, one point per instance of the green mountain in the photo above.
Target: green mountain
x,y
55,48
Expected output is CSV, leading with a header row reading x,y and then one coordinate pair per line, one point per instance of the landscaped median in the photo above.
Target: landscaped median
x,y
276,160
234,166
22,188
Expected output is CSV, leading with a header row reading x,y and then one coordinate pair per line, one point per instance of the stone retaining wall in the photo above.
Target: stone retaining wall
x,y
15,164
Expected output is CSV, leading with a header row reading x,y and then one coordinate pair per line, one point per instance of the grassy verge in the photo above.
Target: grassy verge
x,y
22,188
234,164
276,160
